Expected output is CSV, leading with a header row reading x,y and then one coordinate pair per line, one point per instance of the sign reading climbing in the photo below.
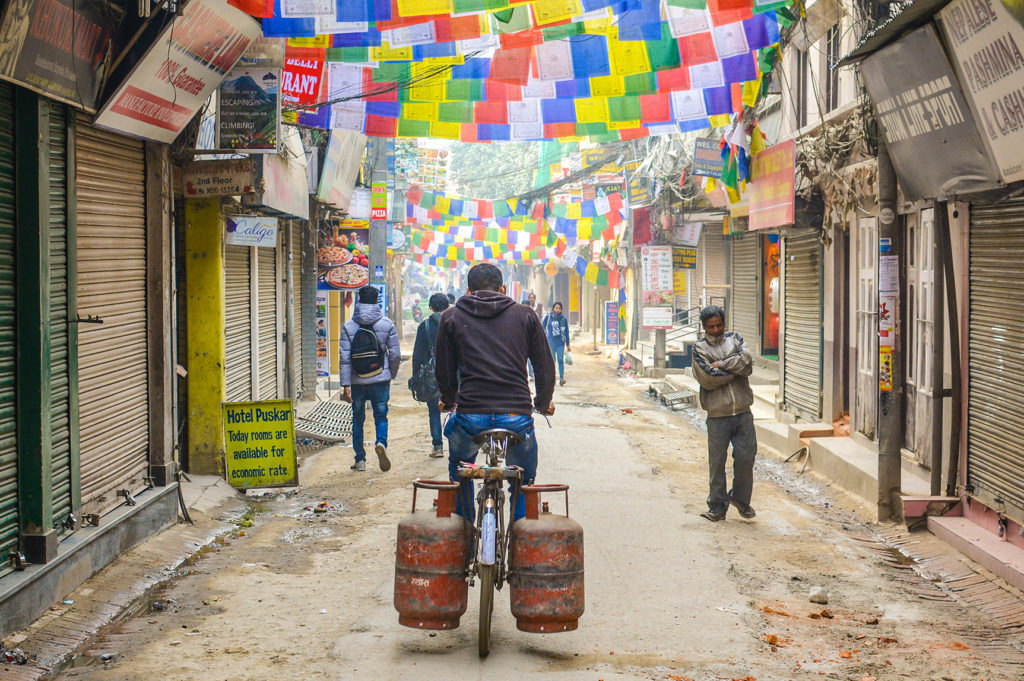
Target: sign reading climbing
x,y
259,440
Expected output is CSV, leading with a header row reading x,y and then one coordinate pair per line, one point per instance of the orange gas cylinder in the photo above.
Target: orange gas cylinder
x,y
430,562
546,566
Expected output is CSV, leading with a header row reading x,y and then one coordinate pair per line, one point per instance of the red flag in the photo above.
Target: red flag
x,y
263,9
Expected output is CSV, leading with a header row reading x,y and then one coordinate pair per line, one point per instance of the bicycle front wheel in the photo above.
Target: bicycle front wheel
x,y
487,574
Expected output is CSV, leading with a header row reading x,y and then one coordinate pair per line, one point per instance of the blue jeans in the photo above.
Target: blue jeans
x,y
377,394
460,431
434,413
559,353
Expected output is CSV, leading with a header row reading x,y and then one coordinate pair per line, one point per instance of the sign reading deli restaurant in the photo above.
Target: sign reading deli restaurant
x,y
180,71
987,38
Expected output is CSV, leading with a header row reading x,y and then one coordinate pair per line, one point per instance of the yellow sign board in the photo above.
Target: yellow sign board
x,y
679,282
260,444
574,292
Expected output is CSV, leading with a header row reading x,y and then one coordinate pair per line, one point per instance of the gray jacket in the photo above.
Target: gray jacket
x,y
387,336
724,391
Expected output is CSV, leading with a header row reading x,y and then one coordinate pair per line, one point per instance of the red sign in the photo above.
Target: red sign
x,y
302,76
771,187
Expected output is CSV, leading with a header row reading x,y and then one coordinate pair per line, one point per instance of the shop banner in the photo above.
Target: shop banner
x,y
679,282
771,187
249,111
218,178
640,189
379,201
302,76
574,292
656,271
259,440
931,136
343,255
182,68
986,38
340,168
707,158
323,364
611,322
284,178
687,233
58,47
248,230
684,258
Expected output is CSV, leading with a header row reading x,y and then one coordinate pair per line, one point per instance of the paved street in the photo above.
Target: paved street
x,y
669,595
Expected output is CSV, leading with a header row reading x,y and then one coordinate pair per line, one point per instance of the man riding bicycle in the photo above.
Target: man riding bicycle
x,y
482,347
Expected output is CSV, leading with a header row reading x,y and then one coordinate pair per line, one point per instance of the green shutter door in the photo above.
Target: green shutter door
x,y
8,401
60,392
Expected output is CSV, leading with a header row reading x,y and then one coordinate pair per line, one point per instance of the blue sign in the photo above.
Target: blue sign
x,y
611,323
707,158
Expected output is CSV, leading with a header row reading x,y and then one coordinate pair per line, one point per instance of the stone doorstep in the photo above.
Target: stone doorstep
x,y
981,546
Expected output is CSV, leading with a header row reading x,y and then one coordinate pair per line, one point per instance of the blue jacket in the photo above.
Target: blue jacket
x,y
557,328
387,336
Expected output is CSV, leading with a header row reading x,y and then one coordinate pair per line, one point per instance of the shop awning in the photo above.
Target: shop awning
x,y
911,16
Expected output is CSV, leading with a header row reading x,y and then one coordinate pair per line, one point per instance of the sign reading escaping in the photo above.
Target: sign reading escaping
x,y
986,37
260,444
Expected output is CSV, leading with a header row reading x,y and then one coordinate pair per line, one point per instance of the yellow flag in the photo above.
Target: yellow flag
x,y
720,121
448,131
386,53
628,56
416,8
419,111
607,86
320,41
592,110
550,11
750,90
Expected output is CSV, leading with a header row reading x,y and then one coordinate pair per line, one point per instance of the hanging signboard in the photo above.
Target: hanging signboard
x,y
986,41
248,111
343,260
771,187
611,322
932,139
574,292
684,258
218,178
182,68
707,158
639,189
251,230
656,316
340,168
283,177
679,282
302,79
687,234
259,439
323,364
379,201
58,48
656,269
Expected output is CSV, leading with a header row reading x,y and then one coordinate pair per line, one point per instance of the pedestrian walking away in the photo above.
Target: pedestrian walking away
x,y
531,302
556,326
369,357
482,348
423,369
721,364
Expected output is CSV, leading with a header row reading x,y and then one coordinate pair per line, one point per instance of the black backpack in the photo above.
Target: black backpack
x,y
367,353
423,384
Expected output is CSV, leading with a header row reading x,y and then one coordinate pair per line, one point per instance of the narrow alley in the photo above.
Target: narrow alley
x,y
303,594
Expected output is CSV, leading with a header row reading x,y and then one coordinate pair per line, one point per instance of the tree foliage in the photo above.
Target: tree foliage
x,y
492,171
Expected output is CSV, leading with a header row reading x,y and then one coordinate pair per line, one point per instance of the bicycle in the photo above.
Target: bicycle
x,y
488,559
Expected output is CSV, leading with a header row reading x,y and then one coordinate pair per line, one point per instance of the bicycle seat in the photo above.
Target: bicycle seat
x,y
509,438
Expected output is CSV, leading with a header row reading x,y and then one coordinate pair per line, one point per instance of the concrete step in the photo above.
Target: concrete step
x,y
981,546
854,467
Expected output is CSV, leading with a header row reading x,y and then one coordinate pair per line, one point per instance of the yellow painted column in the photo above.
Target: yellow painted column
x,y
336,319
204,307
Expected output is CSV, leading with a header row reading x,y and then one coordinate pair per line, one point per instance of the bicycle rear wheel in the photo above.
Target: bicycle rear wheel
x,y
487,574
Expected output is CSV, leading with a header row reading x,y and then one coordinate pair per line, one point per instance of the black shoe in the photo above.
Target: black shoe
x,y
745,510
561,381
713,516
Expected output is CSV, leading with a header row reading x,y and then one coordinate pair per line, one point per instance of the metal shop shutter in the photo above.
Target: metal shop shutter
x,y
8,400
297,330
237,324
269,333
801,335
995,346
112,356
714,264
60,383
746,263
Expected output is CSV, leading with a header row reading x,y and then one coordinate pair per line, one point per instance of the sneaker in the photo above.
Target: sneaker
x,y
358,466
745,510
713,516
382,457
437,453
561,381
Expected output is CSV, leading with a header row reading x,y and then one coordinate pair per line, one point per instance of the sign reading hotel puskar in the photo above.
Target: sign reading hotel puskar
x,y
932,139
987,39
58,47
174,79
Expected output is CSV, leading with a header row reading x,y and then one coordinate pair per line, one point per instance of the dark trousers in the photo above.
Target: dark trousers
x,y
738,430
434,413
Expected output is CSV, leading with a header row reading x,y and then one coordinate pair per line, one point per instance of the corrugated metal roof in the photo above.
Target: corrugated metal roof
x,y
911,16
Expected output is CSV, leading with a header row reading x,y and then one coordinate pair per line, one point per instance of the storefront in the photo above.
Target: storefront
x,y
995,358
801,324
8,397
744,271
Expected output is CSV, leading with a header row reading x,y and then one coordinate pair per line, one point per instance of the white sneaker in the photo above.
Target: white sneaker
x,y
382,457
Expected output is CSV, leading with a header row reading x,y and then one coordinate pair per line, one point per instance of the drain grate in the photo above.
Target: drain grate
x,y
328,421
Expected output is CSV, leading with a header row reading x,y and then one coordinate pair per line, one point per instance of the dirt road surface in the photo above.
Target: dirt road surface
x,y
301,595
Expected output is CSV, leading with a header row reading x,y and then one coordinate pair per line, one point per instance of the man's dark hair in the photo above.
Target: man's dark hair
x,y
368,295
484,277
451,298
438,302
710,312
